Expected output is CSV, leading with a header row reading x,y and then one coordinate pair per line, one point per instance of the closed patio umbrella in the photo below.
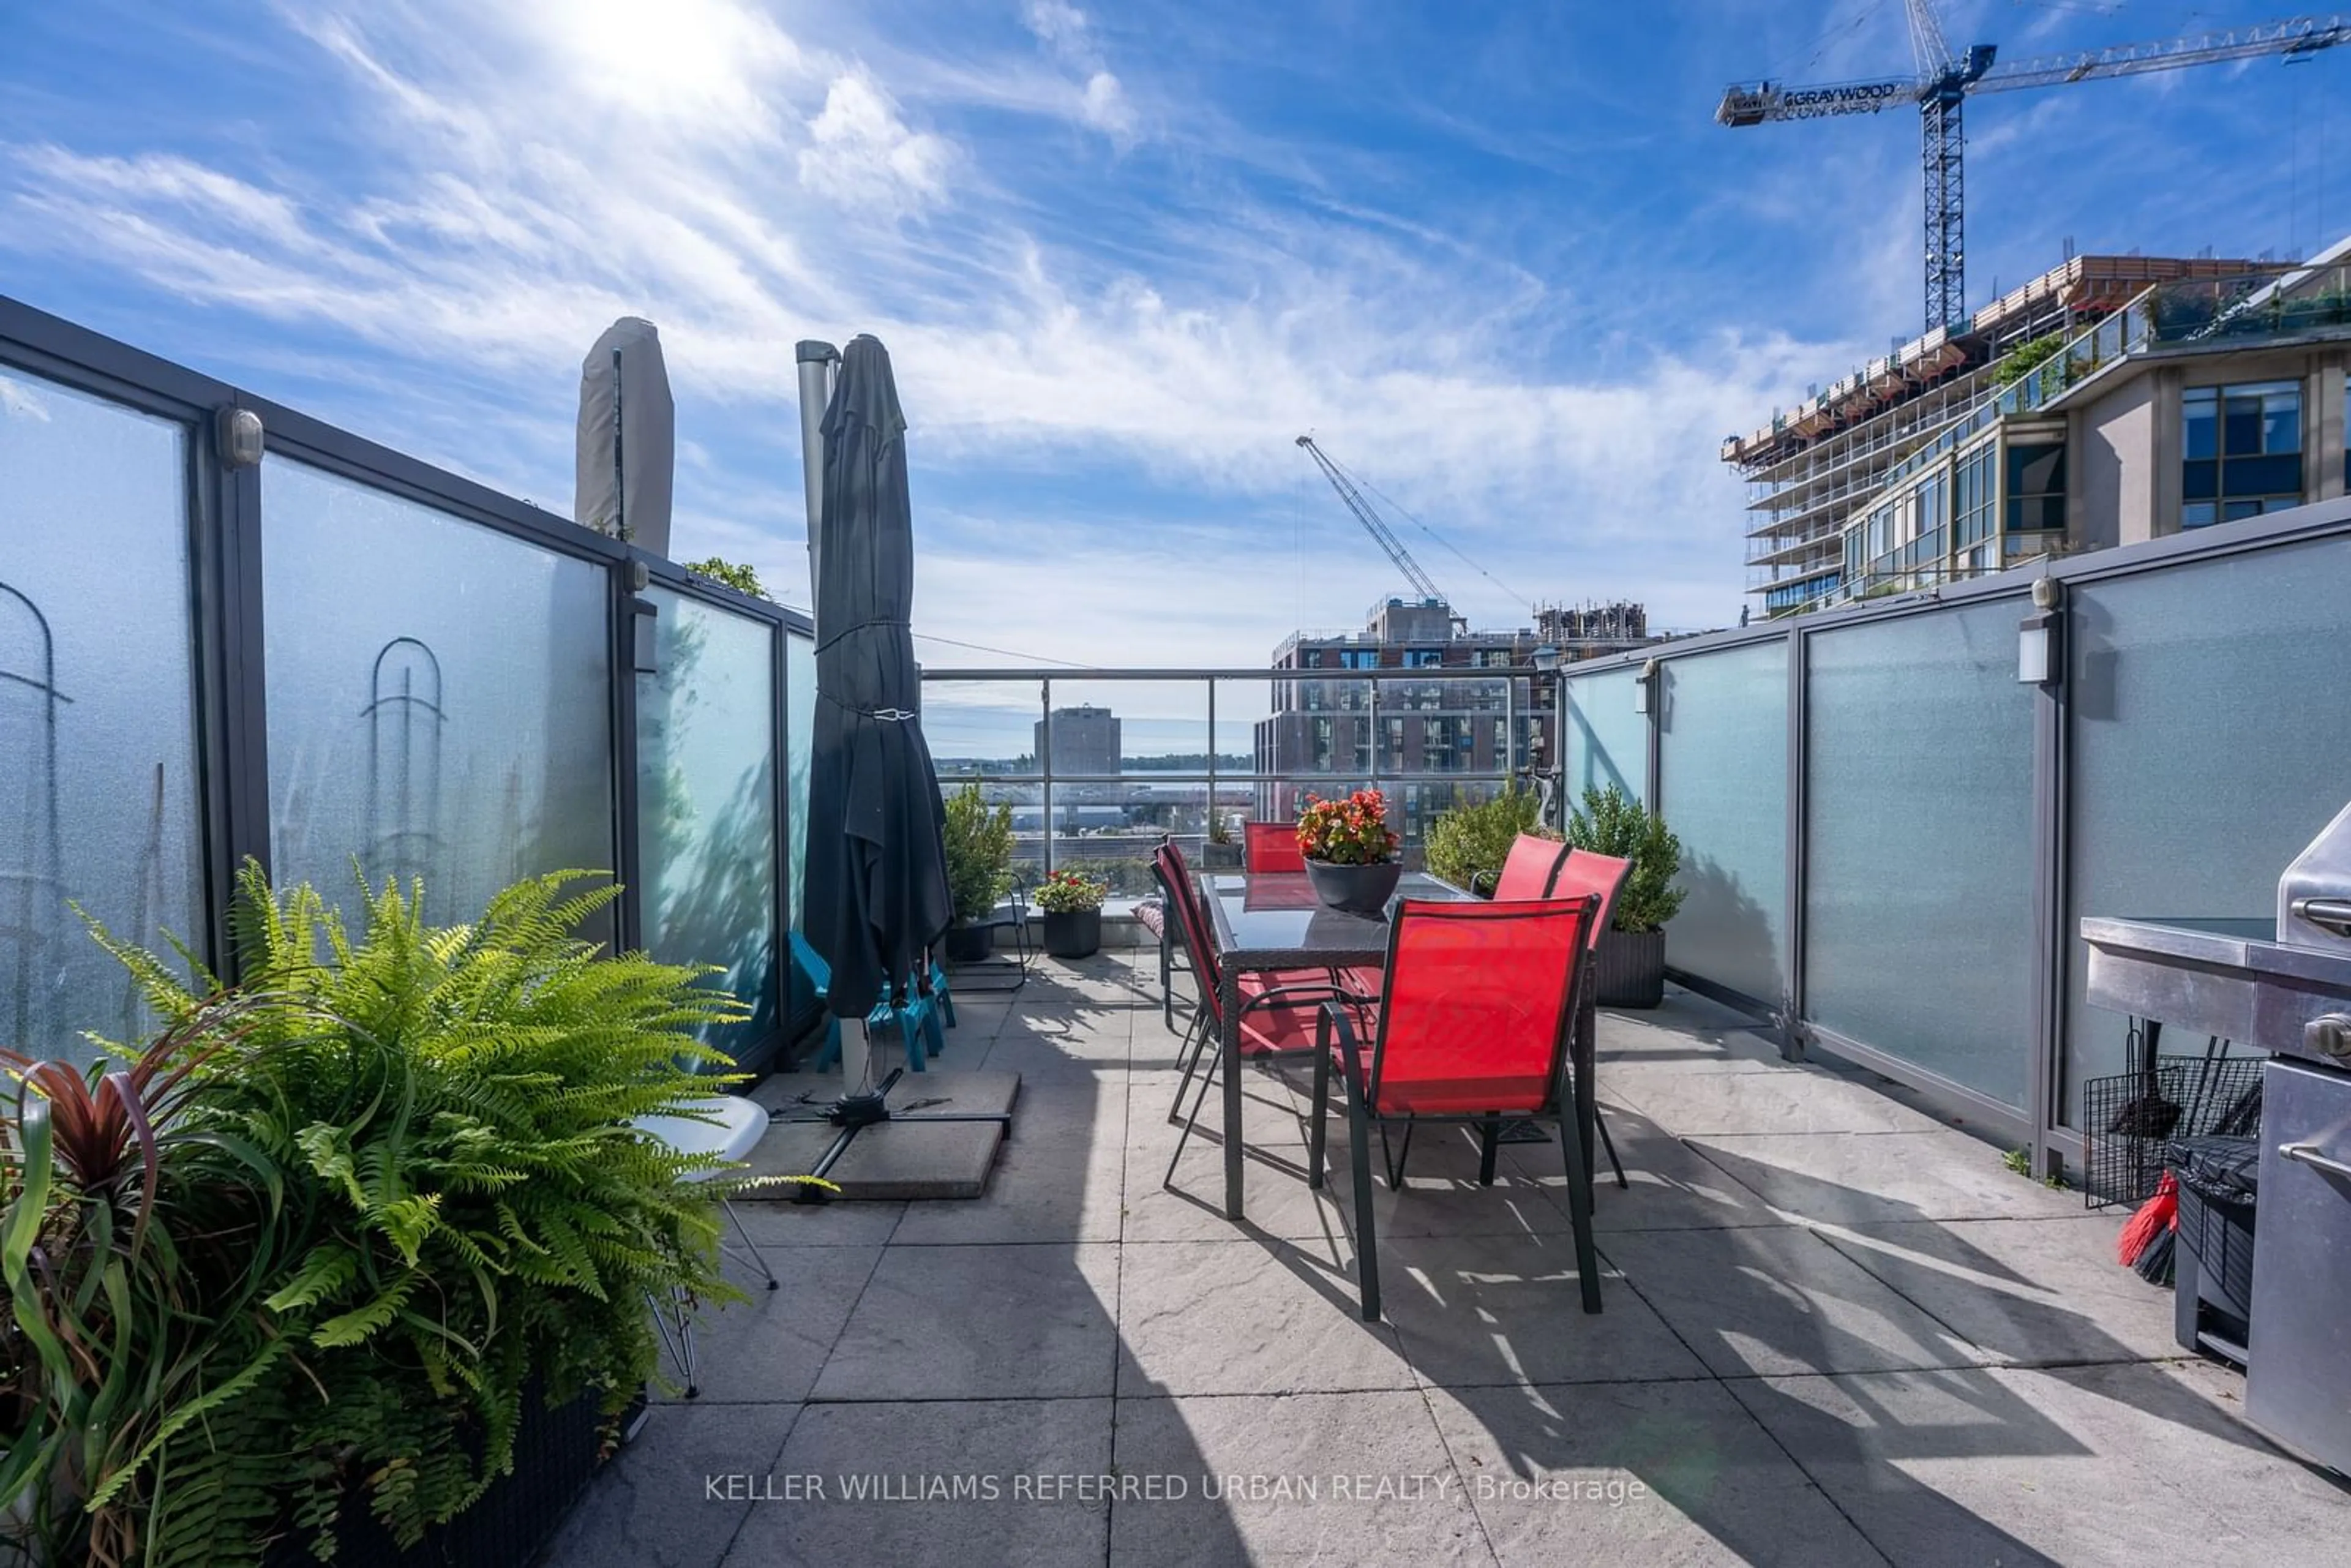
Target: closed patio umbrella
x,y
875,892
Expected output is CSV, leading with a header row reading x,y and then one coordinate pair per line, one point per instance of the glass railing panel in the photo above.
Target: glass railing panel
x,y
97,786
1723,790
982,728
445,714
799,728
706,803
1608,739
1918,892
2210,746
1138,728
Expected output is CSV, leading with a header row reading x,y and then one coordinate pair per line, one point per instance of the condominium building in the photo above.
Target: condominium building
x,y
1364,732
2111,400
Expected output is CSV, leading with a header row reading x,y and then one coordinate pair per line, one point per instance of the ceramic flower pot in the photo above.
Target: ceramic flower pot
x,y
1072,933
1355,889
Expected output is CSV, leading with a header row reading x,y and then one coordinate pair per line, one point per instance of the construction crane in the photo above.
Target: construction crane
x,y
1945,80
1374,524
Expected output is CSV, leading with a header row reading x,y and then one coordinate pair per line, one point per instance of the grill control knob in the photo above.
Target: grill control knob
x,y
2328,1036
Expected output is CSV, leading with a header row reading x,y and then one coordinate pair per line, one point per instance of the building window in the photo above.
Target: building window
x,y
2036,487
1423,658
1322,745
2242,452
1973,496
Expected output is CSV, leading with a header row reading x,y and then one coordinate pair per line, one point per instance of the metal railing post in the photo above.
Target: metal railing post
x,y
1208,818
1045,766
1510,726
1372,718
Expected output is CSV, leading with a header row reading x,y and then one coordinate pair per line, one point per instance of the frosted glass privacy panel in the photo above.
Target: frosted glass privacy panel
x,y
97,791
1608,740
800,740
1722,775
2211,706
438,696
706,803
1919,897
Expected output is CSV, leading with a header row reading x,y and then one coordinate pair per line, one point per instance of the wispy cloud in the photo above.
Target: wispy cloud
x,y
1106,366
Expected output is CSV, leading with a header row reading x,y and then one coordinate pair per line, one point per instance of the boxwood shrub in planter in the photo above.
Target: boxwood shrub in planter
x,y
978,843
1631,960
318,1259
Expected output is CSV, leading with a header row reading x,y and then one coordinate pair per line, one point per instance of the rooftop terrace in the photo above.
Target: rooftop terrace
x,y
1837,1331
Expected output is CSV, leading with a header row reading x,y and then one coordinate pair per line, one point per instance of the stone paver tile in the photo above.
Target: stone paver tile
x,y
1808,1100
920,1483
1318,1477
675,1496
980,1322
1667,1473
1062,1044
2080,1466
1058,1177
1778,1301
1246,1317
1504,1308
2026,1291
769,1349
1277,1202
1937,1174
836,1224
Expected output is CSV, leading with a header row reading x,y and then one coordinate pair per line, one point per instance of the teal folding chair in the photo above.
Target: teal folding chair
x,y
921,1021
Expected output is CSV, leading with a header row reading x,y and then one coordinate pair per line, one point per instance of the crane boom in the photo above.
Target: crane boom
x,y
2295,37
1944,82
1372,521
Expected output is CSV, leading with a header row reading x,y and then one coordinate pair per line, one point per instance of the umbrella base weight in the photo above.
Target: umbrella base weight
x,y
860,1110
937,1138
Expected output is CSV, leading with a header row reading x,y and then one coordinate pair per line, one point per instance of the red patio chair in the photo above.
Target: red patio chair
x,y
1474,1019
1160,919
1527,871
1278,1009
1273,846
1603,877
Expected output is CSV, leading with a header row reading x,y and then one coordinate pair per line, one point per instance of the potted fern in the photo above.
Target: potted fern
x,y
351,1261
979,843
1072,905
1631,959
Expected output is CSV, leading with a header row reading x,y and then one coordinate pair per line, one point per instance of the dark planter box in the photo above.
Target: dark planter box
x,y
1357,889
1631,968
555,1455
1073,932
1220,857
969,944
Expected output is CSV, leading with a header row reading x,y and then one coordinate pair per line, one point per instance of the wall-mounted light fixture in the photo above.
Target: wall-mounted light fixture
x,y
238,437
1644,685
2040,642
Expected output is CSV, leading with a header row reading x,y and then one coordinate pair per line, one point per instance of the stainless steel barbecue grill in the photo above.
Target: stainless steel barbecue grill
x,y
2284,987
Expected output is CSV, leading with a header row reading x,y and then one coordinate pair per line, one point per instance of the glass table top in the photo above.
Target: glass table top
x,y
1277,912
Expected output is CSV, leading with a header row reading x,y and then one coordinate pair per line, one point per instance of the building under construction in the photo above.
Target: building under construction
x,y
2113,398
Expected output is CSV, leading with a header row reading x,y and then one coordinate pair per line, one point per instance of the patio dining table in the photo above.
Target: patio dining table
x,y
1267,920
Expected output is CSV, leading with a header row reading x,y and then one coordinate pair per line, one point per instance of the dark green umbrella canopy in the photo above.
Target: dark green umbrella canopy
x,y
875,896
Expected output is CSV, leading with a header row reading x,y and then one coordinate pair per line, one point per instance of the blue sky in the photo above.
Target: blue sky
x,y
1497,256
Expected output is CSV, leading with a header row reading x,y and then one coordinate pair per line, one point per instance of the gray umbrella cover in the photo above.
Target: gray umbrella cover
x,y
875,895
627,440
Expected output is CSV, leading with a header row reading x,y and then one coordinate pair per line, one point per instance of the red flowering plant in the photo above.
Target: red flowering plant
x,y
1069,891
1352,831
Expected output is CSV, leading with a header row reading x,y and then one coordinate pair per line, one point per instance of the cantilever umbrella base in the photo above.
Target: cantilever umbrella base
x,y
938,1140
